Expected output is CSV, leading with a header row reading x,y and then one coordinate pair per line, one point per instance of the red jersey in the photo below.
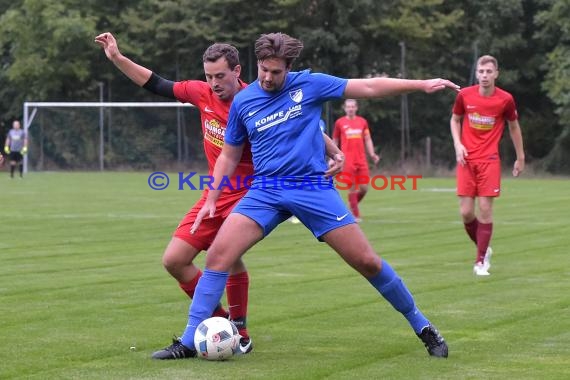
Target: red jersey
x,y
483,121
351,134
214,117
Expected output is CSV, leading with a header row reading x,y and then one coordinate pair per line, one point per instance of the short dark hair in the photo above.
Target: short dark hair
x,y
278,45
219,50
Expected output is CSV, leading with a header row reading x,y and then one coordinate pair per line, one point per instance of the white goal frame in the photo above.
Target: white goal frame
x,y
33,107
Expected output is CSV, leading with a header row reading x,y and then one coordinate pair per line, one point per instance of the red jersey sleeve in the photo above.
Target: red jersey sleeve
x,y
458,108
511,110
189,91
336,131
365,128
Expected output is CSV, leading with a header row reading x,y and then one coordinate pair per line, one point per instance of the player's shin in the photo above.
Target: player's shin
x,y
395,291
484,234
190,287
471,229
207,295
360,195
353,203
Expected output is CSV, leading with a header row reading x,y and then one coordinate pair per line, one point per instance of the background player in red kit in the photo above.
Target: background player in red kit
x,y
353,134
213,99
484,109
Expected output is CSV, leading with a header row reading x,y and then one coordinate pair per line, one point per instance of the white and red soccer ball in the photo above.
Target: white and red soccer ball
x,y
216,338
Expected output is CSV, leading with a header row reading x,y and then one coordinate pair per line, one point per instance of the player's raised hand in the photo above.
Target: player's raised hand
x,y
433,85
208,210
109,44
460,154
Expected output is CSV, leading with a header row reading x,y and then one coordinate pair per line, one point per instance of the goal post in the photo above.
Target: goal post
x,y
30,110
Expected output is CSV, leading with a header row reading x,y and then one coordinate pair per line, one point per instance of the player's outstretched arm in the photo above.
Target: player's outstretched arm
x,y
137,73
383,87
225,166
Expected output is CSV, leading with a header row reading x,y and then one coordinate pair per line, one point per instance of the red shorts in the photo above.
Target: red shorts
x,y
479,179
356,169
204,236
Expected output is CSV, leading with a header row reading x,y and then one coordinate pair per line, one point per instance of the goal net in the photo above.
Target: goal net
x,y
111,135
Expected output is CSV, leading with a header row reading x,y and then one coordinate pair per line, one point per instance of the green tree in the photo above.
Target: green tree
x,y
47,53
48,45
555,34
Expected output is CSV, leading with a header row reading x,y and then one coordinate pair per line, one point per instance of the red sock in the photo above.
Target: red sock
x,y
190,287
360,195
353,203
237,293
484,233
471,229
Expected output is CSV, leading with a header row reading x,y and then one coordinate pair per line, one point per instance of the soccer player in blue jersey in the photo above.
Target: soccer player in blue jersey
x,y
279,115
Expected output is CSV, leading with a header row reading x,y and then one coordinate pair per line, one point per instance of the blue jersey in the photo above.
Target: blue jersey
x,y
283,126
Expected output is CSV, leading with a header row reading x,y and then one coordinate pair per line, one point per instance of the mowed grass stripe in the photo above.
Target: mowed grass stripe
x,y
81,282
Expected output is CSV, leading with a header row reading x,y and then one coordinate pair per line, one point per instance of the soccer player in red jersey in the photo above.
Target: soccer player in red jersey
x,y
213,98
484,109
353,134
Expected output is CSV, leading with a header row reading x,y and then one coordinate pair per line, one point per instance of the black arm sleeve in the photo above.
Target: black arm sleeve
x,y
160,86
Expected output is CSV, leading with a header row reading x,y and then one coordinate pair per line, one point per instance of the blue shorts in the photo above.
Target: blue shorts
x,y
320,210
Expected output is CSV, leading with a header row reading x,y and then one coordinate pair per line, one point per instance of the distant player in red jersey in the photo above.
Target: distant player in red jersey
x,y
353,134
484,109
213,98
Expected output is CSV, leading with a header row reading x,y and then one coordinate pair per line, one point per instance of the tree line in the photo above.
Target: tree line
x,y
48,54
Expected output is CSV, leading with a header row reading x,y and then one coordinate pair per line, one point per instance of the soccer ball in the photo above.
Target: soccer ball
x,y
216,338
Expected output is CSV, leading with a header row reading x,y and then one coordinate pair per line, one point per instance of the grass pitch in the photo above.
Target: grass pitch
x,y
81,282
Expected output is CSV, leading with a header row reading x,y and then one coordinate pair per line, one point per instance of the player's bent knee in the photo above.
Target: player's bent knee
x,y
219,261
467,215
486,213
175,258
368,265
171,264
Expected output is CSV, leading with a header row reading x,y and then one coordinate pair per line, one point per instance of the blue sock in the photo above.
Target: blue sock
x,y
206,297
395,291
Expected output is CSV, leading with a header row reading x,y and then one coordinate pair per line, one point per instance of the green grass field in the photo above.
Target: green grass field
x,y
81,281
